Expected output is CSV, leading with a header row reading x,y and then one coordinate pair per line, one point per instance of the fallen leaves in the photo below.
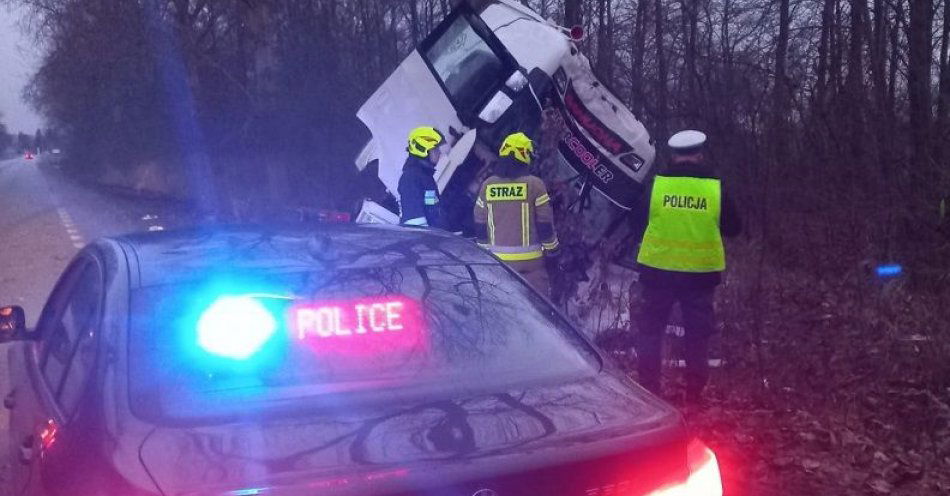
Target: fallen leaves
x,y
880,486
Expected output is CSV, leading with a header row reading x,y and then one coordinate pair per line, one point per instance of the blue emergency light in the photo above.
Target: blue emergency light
x,y
247,492
889,270
235,327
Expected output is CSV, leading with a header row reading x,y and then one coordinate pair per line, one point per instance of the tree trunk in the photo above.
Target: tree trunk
x,y
572,13
856,97
691,20
780,93
821,71
725,92
893,64
692,73
725,37
878,53
943,99
414,22
919,39
834,49
636,57
661,71
605,57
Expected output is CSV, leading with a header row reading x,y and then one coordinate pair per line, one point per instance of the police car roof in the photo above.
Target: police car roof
x,y
166,257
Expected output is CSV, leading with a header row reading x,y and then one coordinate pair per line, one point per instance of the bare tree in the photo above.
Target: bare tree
x,y
605,39
781,86
690,33
855,93
572,13
943,99
919,79
638,49
883,118
662,71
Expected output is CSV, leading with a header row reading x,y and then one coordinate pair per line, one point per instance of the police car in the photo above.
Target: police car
x,y
346,360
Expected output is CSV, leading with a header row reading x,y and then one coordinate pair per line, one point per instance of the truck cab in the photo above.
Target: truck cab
x,y
491,68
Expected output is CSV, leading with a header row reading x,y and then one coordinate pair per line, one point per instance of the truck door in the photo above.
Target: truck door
x,y
448,82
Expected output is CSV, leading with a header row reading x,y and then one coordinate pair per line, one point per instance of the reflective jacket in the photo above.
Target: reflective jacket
x,y
730,224
419,194
682,234
514,219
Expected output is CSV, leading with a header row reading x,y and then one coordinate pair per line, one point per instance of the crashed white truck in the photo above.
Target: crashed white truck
x,y
490,69
494,67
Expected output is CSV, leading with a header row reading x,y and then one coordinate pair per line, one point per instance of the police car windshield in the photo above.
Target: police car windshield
x,y
356,333
466,65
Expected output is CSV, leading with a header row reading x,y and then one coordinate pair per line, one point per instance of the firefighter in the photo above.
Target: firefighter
x,y
681,258
513,215
418,193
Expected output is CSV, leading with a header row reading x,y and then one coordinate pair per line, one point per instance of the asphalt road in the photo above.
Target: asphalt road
x,y
44,220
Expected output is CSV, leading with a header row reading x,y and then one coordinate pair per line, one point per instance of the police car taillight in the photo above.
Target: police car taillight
x,y
704,477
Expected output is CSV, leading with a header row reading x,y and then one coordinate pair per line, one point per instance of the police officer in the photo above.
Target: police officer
x,y
681,257
418,192
513,214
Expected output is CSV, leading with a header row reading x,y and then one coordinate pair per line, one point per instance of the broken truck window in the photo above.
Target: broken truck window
x,y
466,65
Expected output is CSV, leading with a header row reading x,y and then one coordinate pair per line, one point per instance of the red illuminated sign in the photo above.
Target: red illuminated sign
x,y
348,320
358,325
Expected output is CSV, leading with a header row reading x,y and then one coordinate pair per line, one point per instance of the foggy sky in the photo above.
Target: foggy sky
x,y
18,59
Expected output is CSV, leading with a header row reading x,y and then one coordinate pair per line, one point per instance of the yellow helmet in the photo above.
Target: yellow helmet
x,y
519,145
423,139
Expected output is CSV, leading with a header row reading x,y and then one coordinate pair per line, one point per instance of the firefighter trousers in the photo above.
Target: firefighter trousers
x,y
535,272
696,305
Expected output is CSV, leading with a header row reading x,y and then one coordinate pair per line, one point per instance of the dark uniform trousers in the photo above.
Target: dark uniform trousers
x,y
696,305
535,272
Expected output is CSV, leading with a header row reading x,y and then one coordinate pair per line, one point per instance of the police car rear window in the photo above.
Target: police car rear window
x,y
229,345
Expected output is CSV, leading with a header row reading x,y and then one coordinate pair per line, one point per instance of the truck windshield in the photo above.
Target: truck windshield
x,y
466,65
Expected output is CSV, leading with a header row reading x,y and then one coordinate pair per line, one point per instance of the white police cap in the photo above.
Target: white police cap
x,y
686,140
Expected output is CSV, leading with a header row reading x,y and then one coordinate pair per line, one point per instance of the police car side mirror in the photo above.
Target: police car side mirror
x,y
13,324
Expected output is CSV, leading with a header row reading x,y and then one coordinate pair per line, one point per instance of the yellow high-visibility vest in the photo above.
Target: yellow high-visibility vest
x,y
682,233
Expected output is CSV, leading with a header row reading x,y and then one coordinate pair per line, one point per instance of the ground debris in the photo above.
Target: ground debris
x,y
778,451
880,486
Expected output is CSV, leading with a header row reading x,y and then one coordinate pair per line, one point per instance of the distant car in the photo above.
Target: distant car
x,y
28,156
55,156
346,360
